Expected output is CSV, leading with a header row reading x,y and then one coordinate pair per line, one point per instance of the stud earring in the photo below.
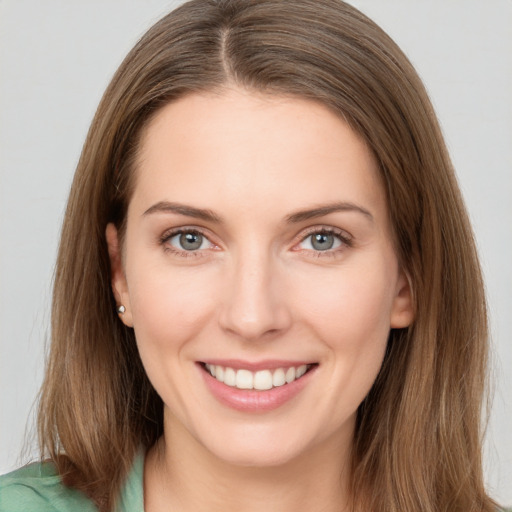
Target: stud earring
x,y
121,309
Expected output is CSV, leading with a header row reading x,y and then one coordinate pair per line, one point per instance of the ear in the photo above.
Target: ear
x,y
119,284
402,313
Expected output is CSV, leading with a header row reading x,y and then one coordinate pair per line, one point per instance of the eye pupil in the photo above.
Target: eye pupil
x,y
191,241
322,241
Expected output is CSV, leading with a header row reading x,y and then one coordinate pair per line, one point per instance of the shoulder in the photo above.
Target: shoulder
x,y
39,487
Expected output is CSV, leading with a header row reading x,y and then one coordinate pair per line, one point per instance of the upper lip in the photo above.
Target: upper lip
x,y
267,364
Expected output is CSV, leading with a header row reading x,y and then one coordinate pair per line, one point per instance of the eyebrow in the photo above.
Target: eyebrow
x,y
183,209
299,216
322,210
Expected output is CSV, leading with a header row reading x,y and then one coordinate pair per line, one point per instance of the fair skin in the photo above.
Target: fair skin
x,y
257,239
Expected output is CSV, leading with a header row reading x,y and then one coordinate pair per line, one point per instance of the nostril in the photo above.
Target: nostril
x,y
264,322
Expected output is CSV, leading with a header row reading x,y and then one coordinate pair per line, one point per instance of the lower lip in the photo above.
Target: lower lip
x,y
252,400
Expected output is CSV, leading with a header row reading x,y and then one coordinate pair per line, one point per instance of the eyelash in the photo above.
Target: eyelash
x,y
345,239
342,236
168,235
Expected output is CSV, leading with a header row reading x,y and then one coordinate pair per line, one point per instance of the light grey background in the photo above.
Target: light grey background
x,y
56,58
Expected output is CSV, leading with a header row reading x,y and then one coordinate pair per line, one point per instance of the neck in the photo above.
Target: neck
x,y
181,474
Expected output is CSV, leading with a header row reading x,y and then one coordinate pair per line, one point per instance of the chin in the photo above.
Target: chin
x,y
256,457
260,447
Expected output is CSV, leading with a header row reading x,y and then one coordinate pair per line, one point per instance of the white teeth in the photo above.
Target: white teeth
x,y
290,375
229,377
244,379
278,379
301,370
261,380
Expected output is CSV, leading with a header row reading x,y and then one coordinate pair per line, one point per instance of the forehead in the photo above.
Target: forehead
x,y
242,149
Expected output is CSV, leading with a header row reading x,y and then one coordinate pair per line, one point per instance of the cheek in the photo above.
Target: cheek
x,y
169,307
350,315
349,309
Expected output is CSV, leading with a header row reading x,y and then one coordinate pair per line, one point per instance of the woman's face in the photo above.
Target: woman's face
x,y
258,245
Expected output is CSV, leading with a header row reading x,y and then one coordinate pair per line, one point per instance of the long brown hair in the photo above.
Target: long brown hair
x,y
418,438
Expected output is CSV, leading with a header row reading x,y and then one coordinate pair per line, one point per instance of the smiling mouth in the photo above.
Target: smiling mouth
x,y
261,380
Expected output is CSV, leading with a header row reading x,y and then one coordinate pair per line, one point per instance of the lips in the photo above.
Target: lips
x,y
257,387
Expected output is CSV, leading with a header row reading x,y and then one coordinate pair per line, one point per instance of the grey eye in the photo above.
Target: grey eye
x,y
322,241
190,241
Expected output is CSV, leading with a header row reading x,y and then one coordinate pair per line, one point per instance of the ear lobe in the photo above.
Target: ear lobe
x,y
119,284
402,314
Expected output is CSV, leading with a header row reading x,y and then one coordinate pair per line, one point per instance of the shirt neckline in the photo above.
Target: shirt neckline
x,y
131,498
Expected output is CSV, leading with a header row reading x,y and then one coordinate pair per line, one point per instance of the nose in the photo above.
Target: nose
x,y
255,304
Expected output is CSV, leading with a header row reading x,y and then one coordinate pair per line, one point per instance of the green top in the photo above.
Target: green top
x,y
38,488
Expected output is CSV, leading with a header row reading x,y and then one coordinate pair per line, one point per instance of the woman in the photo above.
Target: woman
x,y
258,292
